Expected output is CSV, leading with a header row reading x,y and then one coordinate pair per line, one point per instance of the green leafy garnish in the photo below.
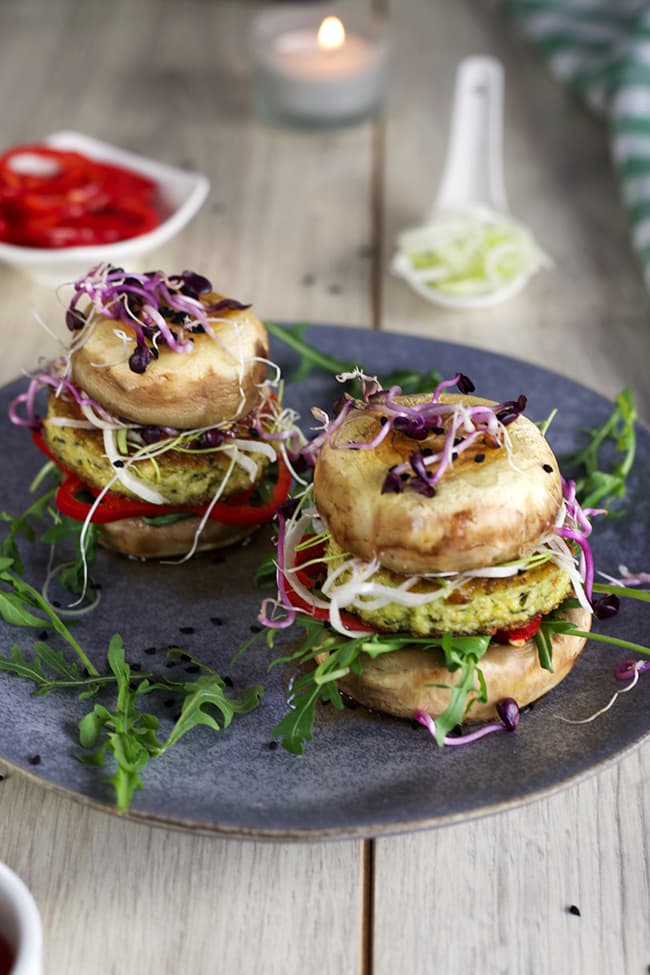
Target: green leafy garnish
x,y
122,731
598,485
129,734
345,655
410,380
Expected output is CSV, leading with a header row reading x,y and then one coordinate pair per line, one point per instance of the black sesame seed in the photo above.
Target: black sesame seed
x,y
34,759
438,430
426,452
383,420
136,667
479,458
186,629
169,702
227,681
216,621
150,651
575,910
454,455
171,663
273,745
350,703
118,463
43,635
192,669
547,468
256,628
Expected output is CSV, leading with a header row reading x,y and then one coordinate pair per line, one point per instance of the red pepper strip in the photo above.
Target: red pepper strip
x,y
114,507
519,634
317,612
308,578
312,574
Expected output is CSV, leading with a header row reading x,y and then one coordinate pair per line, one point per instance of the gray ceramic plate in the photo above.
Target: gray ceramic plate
x,y
363,774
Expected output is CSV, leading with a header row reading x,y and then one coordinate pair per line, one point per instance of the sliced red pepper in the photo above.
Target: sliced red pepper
x,y
349,621
308,579
519,634
59,198
113,507
311,575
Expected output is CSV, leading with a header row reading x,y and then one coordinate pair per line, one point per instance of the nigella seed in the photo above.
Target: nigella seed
x,y
74,319
255,628
454,455
479,458
34,759
228,681
273,745
186,629
136,667
169,702
149,651
574,909
547,468
43,635
606,606
465,384
216,621
118,463
192,669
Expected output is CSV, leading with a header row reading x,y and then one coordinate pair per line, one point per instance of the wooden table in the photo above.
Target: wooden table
x,y
304,225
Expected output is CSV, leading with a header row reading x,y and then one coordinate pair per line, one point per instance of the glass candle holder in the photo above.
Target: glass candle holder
x,y
315,70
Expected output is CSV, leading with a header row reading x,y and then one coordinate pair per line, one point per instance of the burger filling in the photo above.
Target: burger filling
x,y
184,468
460,604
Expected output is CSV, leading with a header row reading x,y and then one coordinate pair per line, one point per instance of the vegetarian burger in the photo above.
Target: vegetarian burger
x,y
439,537
161,416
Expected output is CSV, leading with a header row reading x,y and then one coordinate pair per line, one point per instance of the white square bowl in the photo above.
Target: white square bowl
x,y
181,195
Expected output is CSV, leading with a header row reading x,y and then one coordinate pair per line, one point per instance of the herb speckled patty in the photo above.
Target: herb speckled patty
x,y
182,478
478,606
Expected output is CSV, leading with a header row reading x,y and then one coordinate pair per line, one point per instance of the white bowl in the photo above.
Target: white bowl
x,y
181,192
20,924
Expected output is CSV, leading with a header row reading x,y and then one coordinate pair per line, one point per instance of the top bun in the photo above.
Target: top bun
x,y
490,506
216,382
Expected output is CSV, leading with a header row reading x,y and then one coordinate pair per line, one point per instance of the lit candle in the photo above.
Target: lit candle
x,y
310,69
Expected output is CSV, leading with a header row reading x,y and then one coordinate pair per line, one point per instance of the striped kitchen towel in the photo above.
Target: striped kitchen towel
x,y
601,50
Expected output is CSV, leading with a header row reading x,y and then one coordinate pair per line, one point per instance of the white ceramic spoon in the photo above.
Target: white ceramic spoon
x,y
471,203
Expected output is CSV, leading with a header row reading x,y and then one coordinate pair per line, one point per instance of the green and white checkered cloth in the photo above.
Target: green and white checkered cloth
x,y
601,50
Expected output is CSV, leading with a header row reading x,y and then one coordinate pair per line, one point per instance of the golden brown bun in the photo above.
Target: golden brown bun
x,y
132,536
403,682
482,514
217,381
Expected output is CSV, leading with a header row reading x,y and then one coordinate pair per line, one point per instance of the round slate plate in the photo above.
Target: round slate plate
x,y
363,775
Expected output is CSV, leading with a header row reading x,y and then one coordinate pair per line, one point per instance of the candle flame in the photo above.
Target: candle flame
x,y
331,34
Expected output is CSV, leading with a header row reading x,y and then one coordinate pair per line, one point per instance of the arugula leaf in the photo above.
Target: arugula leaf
x,y
596,486
345,654
410,380
129,734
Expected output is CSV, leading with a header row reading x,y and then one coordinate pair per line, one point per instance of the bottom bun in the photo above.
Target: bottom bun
x,y
403,682
133,536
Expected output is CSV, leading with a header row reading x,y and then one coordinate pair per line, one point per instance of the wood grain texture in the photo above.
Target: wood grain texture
x,y
118,897
304,226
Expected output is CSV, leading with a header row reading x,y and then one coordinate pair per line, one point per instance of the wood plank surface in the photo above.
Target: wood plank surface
x,y
304,226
